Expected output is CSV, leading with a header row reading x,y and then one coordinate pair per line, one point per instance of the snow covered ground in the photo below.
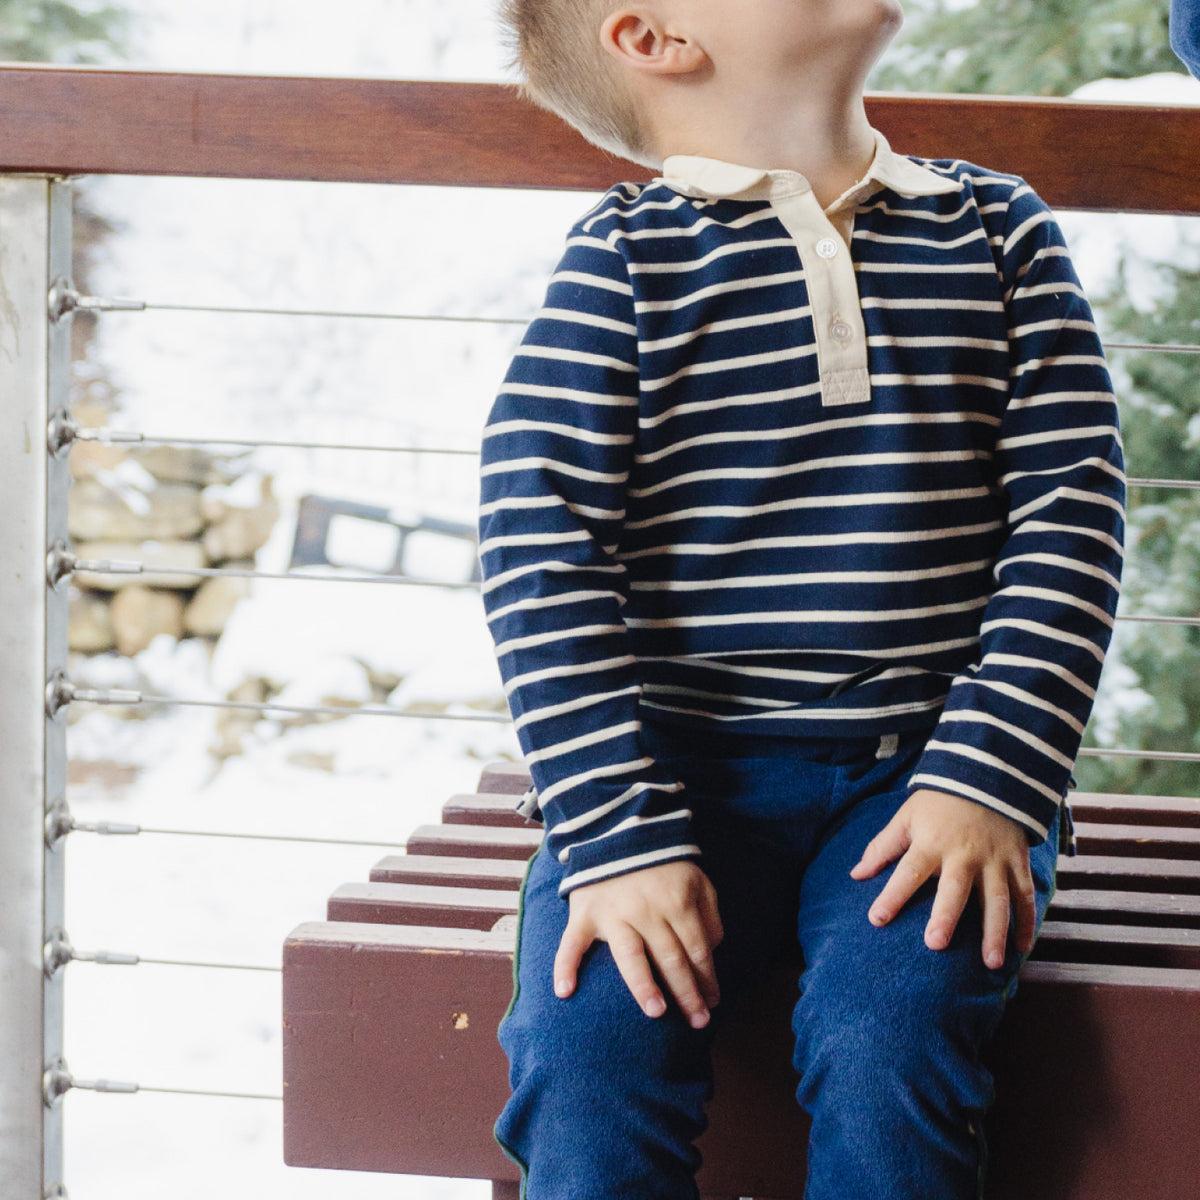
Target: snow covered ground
x,y
328,247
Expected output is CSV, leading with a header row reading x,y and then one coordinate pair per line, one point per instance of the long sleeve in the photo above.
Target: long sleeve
x,y
1011,728
557,452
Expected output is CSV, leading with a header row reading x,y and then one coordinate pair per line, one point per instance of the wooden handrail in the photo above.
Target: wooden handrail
x,y
79,120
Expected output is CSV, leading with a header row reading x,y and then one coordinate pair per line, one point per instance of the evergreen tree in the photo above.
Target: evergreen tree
x,y
58,31
1053,47
1028,47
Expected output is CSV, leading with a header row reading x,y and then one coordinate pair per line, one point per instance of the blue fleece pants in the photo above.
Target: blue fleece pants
x,y
1185,32
607,1102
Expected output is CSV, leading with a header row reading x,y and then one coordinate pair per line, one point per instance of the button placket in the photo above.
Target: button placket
x,y
838,327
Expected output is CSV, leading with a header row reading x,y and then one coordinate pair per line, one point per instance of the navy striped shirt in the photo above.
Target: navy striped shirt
x,y
763,467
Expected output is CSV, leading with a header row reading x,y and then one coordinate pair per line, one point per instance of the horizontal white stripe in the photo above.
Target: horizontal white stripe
x,y
1060,560
815,616
1041,399
1059,360
496,582
814,428
642,206
592,738
622,288
541,391
573,316
1105,539
987,381
534,539
592,436
634,822
903,268
1066,493
965,750
724,288
1015,693
1065,433
731,249
743,363
592,815
509,466
516,503
1053,596
856,538
953,787
853,500
907,304
834,462
538,603
1000,659
965,239
580,357
970,717
944,342
797,716
589,700
807,579
752,399
636,863
603,771
556,635
567,669
731,325
1050,633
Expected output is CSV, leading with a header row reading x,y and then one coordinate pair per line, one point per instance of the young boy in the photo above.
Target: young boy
x,y
801,533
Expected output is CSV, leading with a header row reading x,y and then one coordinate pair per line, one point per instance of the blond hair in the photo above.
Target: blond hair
x,y
555,47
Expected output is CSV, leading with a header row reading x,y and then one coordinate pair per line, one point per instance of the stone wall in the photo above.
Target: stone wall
x,y
164,506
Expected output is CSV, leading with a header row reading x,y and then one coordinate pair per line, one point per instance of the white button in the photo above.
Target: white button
x,y
840,331
827,248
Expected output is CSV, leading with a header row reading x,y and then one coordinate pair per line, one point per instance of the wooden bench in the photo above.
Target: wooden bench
x,y
390,1008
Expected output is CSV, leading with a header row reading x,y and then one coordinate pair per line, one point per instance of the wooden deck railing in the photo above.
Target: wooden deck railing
x,y
73,121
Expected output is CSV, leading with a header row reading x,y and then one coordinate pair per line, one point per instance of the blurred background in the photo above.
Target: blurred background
x,y
192,367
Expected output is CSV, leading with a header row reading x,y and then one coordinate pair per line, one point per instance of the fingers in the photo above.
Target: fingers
x,y
954,890
997,905
684,977
910,873
576,939
887,845
629,953
1024,905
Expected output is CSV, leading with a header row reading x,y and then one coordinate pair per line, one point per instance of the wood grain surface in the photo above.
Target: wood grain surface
x,y
76,120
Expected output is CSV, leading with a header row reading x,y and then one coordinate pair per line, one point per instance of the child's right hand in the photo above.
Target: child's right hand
x,y
665,914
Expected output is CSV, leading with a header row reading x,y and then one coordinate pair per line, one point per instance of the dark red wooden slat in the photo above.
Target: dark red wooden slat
x,y
443,870
478,841
1177,811
76,120
485,808
510,779
1126,908
1114,873
413,904
1138,841
1122,945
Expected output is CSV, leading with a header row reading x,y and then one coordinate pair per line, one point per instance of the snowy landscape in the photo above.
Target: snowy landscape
x,y
360,778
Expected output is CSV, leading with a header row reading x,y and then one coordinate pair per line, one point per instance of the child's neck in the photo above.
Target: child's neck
x,y
830,143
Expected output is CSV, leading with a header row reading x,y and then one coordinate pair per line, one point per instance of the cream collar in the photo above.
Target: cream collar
x,y
712,179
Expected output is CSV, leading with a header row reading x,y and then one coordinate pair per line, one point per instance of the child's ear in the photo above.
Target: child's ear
x,y
640,39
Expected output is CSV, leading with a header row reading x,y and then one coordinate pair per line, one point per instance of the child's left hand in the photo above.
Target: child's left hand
x,y
969,847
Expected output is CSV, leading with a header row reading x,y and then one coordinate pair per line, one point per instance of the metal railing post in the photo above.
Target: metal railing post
x,y
35,236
